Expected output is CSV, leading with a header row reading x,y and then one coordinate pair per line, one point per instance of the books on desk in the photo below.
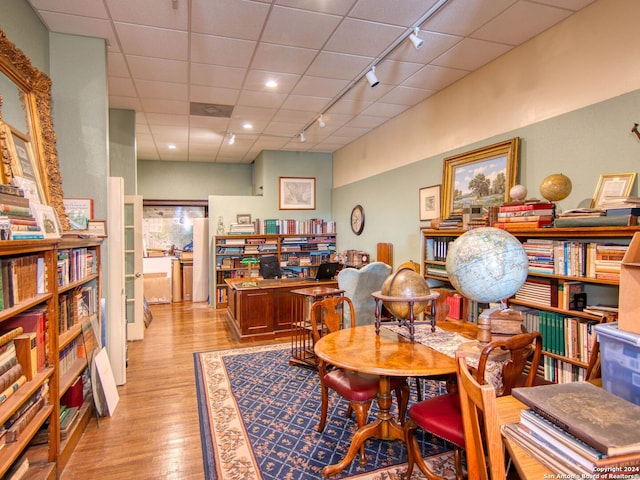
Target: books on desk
x,y
578,428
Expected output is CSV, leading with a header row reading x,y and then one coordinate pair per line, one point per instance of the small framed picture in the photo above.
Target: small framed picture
x,y
429,203
97,228
47,219
297,193
612,185
243,218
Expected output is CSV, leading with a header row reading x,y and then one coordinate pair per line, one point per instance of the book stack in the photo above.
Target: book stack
x,y
541,291
525,215
242,229
608,261
16,219
452,222
11,367
621,205
540,255
578,429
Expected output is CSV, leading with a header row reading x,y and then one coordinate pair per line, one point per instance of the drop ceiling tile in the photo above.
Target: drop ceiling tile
x,y
261,99
125,103
285,128
165,106
305,103
462,17
162,14
470,54
167,119
284,59
338,7
223,96
232,18
217,76
358,37
123,87
85,26
337,65
256,80
366,121
117,65
435,44
85,8
289,26
432,77
319,87
214,50
170,134
216,124
152,41
404,13
394,73
162,90
147,68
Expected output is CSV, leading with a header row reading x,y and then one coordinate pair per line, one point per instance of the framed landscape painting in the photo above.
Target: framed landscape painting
x,y
482,176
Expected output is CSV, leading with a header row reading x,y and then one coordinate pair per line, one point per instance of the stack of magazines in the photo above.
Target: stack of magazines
x,y
578,429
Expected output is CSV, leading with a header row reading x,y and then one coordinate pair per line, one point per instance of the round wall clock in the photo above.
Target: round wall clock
x,y
357,219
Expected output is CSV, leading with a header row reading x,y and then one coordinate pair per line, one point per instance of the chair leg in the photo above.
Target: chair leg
x,y
402,396
324,408
362,413
410,441
419,388
457,456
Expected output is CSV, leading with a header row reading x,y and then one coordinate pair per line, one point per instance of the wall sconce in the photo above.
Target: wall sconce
x,y
371,77
415,39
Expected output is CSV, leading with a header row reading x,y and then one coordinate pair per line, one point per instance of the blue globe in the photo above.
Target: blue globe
x,y
487,264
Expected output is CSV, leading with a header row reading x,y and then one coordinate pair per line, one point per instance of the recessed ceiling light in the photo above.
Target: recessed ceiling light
x,y
171,147
247,126
271,84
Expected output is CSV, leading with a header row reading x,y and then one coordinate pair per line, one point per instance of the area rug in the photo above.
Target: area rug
x,y
258,420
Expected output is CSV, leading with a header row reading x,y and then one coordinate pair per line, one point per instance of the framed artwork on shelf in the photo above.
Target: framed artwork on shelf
x,y
25,169
482,177
97,228
429,202
79,211
612,185
297,193
243,218
47,219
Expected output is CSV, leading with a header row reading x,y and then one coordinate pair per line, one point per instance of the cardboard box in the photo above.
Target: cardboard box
x,y
629,300
620,361
157,288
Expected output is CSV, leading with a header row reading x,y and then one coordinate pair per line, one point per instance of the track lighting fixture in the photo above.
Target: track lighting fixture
x,y
232,138
415,39
302,137
321,122
371,77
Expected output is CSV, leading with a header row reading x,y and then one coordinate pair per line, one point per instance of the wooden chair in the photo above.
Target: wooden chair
x,y
480,424
594,367
358,388
441,415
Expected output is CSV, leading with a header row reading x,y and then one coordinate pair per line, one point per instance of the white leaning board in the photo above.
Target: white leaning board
x,y
105,382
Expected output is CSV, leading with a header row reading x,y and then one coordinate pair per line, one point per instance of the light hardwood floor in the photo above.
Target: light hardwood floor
x,y
154,433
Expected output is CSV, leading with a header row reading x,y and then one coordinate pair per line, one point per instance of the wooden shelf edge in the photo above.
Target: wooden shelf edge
x,y
68,445
67,337
73,372
77,283
25,305
8,407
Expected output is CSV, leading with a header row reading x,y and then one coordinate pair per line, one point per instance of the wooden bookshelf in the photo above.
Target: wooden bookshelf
x,y
558,365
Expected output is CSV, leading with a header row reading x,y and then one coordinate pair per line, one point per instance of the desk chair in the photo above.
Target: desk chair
x,y
480,425
358,388
442,416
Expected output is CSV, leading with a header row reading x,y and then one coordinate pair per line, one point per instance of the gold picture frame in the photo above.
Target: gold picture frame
x,y
482,176
97,228
612,185
297,193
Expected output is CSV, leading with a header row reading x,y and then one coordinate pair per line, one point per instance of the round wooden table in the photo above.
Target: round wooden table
x,y
387,354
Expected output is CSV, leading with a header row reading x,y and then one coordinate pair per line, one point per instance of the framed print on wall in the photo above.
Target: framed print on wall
x,y
429,202
482,177
297,193
612,185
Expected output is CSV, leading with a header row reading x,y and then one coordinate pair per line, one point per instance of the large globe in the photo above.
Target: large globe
x,y
405,283
555,187
487,264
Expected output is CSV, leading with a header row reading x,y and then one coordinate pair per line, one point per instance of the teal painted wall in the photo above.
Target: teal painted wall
x,y
122,148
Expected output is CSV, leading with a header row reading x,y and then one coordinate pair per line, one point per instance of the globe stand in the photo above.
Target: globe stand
x,y
498,322
411,301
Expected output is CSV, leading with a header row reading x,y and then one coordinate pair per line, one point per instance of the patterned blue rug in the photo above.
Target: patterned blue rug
x,y
258,420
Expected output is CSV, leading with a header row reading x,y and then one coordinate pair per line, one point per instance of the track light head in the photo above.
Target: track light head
x,y
416,40
321,122
371,77
302,137
232,138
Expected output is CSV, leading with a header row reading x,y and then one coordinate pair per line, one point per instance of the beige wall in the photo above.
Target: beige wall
x,y
590,57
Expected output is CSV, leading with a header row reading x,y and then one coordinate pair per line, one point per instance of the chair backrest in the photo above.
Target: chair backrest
x,y
358,285
594,366
483,441
326,315
520,346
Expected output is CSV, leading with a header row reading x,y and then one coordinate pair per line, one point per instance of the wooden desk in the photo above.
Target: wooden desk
x,y
265,309
527,467
387,355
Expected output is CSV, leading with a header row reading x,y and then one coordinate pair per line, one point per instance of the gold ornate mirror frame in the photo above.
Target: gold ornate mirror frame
x,y
35,93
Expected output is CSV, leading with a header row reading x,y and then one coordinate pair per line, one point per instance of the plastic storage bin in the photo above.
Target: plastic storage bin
x,y
620,359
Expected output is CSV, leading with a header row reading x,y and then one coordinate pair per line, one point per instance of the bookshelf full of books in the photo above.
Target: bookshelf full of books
x,y
571,287
299,255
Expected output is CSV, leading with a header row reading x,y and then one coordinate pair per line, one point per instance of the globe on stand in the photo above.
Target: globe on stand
x,y
555,187
488,265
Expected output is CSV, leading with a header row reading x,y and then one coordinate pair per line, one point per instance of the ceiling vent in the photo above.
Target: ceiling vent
x,y
211,110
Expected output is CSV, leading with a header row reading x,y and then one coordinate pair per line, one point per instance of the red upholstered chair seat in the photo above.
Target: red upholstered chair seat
x,y
357,387
441,416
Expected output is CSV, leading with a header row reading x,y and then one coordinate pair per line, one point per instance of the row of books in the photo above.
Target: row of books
x,y
76,306
436,248
21,278
17,423
578,430
560,371
17,221
76,264
456,306
563,335
32,322
304,227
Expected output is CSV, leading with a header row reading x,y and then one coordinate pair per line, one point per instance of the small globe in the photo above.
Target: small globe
x,y
555,187
487,264
406,283
518,193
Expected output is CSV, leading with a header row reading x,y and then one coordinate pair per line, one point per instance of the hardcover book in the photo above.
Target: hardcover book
x,y
602,420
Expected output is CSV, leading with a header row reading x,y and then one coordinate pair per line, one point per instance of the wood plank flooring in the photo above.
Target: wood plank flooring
x,y
154,433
